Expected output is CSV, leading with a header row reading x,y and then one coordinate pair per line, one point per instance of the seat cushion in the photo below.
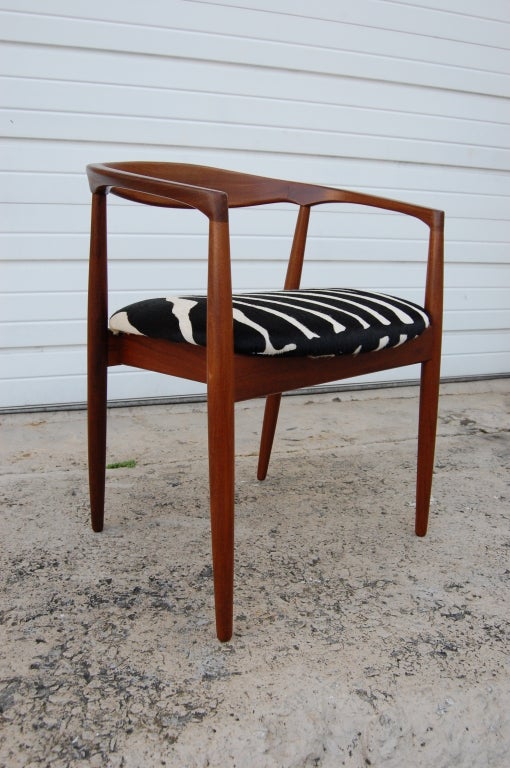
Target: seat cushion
x,y
299,323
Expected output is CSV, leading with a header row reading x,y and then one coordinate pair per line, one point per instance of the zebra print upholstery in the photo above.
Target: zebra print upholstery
x,y
295,323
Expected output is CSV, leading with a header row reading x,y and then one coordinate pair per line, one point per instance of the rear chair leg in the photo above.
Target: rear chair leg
x,y
271,412
97,443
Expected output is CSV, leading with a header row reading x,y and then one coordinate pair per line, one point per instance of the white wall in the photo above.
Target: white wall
x,y
406,99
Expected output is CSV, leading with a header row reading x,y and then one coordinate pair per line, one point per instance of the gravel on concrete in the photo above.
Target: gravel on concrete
x,y
355,643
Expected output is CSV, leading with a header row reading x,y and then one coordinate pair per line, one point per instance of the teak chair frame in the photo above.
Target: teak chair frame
x,y
231,377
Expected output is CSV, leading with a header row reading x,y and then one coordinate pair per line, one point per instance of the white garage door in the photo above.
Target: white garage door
x,y
405,99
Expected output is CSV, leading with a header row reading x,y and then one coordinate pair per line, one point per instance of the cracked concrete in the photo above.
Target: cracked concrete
x,y
355,642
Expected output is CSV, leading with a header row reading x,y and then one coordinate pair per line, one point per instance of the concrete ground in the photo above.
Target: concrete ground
x,y
355,644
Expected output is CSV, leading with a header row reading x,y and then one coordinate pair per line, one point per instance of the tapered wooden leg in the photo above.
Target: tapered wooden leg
x,y
220,414
268,431
97,360
97,443
429,396
221,480
292,280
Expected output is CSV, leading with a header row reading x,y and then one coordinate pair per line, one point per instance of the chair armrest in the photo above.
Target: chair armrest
x,y
104,177
429,216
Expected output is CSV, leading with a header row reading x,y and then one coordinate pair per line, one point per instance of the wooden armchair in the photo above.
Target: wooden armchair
x,y
252,345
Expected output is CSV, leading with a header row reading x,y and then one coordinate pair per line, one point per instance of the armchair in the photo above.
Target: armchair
x,y
250,345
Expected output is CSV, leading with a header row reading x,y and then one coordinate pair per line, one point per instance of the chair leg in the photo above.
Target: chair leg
x,y
96,418
97,360
221,482
268,431
429,397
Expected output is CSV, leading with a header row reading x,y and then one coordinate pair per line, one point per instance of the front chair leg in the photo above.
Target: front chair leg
x,y
97,360
429,397
221,482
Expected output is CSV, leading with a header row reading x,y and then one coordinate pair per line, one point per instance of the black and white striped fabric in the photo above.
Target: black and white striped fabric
x,y
298,323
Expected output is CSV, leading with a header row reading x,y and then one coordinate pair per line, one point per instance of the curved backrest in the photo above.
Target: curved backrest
x,y
201,182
